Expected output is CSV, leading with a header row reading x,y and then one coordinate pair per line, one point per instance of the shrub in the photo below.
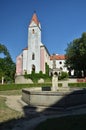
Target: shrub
x,y
81,85
36,76
63,75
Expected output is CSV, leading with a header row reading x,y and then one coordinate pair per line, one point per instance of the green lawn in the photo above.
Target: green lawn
x,y
77,122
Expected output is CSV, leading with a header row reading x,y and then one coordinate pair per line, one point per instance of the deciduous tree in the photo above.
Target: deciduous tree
x,y
76,55
7,66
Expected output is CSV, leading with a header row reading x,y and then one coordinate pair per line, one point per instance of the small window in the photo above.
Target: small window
x,y
33,56
61,68
33,31
60,62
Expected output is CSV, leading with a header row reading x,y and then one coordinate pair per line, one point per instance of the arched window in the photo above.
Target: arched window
x,y
33,56
61,68
33,31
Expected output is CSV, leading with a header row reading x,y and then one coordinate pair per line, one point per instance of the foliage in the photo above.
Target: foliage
x,y
81,85
47,69
36,76
63,75
76,55
7,66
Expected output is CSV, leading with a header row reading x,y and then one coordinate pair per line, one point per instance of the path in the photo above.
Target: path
x,y
13,102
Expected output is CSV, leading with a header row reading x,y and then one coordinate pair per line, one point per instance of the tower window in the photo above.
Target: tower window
x,y
33,56
33,31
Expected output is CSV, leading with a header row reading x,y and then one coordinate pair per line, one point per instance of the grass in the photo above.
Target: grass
x,y
6,87
79,85
77,122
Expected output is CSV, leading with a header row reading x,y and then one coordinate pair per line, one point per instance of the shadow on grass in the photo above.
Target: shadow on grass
x,y
67,102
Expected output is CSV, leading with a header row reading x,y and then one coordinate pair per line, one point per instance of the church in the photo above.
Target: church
x,y
34,57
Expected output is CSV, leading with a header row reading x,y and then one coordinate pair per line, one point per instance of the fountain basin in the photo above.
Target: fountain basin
x,y
53,99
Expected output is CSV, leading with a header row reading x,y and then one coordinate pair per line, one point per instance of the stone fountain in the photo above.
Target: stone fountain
x,y
45,97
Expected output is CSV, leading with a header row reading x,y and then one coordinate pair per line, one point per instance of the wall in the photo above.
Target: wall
x,y
21,80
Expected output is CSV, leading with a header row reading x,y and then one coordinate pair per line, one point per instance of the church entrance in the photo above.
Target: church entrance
x,y
33,68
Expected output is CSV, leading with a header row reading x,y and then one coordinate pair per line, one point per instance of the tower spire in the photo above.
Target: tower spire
x,y
35,19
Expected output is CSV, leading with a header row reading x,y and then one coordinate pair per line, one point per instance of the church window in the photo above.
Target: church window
x,y
33,31
33,56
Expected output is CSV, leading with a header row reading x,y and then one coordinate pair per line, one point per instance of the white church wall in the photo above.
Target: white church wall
x,y
42,59
59,64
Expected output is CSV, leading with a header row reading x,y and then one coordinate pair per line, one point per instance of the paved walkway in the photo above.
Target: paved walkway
x,y
39,114
13,102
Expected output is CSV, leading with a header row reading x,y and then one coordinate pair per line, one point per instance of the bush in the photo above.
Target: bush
x,y
81,85
63,75
36,76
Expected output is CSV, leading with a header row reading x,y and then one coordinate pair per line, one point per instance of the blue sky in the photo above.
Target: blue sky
x,y
62,21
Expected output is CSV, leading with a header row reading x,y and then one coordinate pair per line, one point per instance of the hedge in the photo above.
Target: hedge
x,y
81,85
20,86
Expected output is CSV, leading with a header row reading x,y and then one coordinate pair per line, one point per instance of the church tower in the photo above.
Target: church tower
x,y
34,42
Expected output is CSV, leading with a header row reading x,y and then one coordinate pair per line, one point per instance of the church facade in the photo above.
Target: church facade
x,y
34,57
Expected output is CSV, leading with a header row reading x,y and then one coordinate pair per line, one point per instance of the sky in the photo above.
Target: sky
x,y
62,21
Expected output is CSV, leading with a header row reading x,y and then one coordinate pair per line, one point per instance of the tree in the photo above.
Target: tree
x,y
47,69
76,55
7,66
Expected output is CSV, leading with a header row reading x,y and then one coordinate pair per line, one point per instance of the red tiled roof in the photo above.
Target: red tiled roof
x,y
57,57
25,48
35,19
